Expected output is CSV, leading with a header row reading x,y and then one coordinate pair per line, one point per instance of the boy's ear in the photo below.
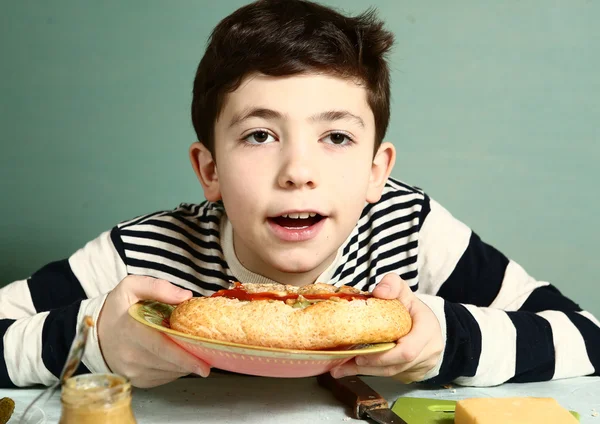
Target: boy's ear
x,y
382,166
206,170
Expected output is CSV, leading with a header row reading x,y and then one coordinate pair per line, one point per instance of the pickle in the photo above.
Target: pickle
x,y
301,304
7,407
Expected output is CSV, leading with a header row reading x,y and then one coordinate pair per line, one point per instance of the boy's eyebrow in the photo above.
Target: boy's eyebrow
x,y
336,115
254,112
264,113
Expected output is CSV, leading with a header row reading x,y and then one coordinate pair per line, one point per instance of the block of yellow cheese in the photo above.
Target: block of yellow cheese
x,y
513,410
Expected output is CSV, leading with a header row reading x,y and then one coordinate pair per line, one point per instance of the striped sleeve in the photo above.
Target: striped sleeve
x,y
500,324
39,315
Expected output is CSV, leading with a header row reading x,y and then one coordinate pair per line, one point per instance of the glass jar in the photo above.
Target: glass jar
x,y
96,399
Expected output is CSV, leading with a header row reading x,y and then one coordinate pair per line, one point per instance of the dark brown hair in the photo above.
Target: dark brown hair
x,y
287,37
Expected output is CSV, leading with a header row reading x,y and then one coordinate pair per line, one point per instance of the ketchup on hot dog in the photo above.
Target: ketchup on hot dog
x,y
238,292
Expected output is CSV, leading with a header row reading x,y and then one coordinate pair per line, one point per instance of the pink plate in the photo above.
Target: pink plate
x,y
247,359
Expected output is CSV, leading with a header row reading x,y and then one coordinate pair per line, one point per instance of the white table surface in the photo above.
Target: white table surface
x,y
232,398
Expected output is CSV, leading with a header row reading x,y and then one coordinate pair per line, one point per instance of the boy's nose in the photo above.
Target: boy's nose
x,y
298,169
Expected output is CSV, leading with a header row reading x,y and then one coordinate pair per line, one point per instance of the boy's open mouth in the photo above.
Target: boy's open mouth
x,y
295,221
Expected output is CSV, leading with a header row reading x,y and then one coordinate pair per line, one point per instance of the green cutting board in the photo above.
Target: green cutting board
x,y
429,411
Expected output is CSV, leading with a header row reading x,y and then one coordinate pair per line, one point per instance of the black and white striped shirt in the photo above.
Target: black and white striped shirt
x,y
499,323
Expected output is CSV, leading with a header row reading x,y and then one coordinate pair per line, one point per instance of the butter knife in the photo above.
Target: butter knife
x,y
358,395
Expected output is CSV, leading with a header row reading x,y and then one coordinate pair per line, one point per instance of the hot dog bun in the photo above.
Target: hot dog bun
x,y
317,316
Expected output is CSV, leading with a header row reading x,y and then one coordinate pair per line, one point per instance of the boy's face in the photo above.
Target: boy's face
x,y
294,167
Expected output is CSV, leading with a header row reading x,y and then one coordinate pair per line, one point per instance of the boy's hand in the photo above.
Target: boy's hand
x,y
148,358
415,354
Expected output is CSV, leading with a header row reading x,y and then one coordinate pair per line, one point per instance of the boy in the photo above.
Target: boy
x,y
290,106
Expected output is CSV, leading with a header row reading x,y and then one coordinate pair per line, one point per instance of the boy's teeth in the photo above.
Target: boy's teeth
x,y
301,215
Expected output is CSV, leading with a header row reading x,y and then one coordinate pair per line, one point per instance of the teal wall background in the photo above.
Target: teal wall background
x,y
496,113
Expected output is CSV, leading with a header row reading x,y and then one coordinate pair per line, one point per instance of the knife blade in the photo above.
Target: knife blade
x,y
358,395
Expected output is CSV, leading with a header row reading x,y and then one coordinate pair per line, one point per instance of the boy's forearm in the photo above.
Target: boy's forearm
x,y
502,325
91,271
34,349
22,361
487,346
15,301
5,380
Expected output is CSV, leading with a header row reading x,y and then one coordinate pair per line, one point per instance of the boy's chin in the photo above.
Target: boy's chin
x,y
298,266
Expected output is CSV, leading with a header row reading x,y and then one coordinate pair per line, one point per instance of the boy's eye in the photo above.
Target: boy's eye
x,y
338,138
258,137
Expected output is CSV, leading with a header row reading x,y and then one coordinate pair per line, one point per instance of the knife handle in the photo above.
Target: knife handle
x,y
354,392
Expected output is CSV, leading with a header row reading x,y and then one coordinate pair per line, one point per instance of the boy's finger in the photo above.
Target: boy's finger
x,y
347,368
407,348
153,378
389,287
415,341
350,368
392,286
395,356
179,359
406,296
159,290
